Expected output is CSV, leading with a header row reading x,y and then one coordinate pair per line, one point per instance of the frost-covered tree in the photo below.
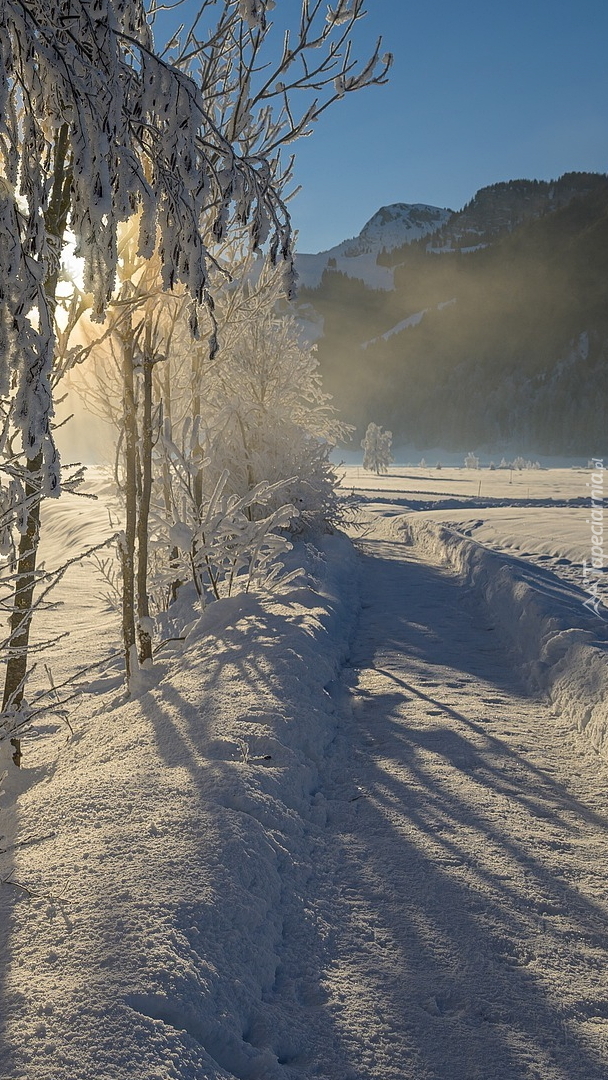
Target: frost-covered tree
x,y
241,440
471,461
376,445
264,414
95,126
92,126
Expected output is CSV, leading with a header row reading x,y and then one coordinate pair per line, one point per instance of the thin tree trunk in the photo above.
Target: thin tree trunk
x,y
248,465
167,498
167,417
197,483
143,609
21,617
128,546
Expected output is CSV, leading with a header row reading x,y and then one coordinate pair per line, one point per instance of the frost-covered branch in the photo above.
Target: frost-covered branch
x,y
89,114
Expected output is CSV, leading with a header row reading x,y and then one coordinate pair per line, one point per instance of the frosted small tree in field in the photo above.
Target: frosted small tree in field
x,y
377,449
471,461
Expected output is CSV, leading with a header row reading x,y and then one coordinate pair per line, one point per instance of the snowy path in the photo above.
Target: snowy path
x,y
240,877
463,869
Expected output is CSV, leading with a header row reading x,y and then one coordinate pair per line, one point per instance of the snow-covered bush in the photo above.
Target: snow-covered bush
x,y
376,445
471,461
225,548
243,456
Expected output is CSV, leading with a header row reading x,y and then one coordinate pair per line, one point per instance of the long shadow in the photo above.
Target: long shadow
x,y
470,502
474,910
237,767
10,895
556,793
460,996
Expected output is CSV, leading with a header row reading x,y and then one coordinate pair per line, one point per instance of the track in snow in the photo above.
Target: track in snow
x,y
463,868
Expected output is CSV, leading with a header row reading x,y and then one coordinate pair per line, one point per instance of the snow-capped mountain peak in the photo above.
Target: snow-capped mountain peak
x,y
390,227
400,223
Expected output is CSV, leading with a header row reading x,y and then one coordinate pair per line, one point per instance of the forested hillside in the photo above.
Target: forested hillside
x,y
506,342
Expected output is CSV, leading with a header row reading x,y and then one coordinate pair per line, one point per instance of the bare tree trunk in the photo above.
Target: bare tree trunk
x,y
249,467
21,617
143,609
167,498
167,419
128,546
197,483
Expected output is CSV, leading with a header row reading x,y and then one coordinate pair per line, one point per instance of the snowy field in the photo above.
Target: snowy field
x,y
355,831
541,515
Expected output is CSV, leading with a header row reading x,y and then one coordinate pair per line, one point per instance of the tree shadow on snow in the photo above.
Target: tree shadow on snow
x,y
461,851
229,715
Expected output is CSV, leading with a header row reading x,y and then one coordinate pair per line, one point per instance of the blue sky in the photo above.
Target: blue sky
x,y
479,92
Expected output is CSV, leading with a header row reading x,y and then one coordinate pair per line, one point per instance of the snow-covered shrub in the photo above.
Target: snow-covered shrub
x,y
108,571
229,545
471,461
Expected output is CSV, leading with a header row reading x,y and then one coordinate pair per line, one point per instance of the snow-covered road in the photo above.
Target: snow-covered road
x,y
466,848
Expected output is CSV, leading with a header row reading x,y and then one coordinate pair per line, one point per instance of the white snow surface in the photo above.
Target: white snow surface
x,y
390,227
342,832
523,552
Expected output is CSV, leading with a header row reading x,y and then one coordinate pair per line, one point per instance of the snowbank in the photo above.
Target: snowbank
x,y
166,852
560,645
